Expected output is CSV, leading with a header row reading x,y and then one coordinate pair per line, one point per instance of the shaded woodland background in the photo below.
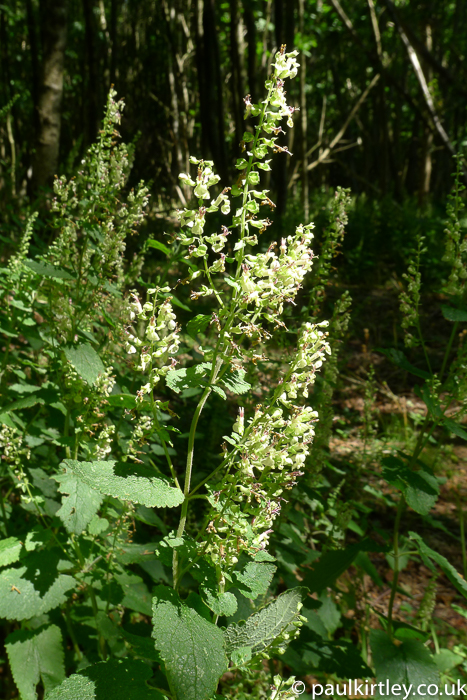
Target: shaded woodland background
x,y
382,91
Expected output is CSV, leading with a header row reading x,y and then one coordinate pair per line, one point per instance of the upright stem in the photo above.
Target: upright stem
x,y
188,473
395,580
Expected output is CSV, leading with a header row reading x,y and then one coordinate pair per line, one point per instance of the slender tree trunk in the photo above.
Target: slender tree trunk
x,y
427,141
210,85
237,87
284,21
113,39
91,96
45,162
251,41
303,116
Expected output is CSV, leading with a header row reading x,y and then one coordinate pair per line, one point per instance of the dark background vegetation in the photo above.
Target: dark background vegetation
x,y
185,66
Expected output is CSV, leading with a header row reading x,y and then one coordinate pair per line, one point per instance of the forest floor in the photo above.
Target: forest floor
x,y
397,410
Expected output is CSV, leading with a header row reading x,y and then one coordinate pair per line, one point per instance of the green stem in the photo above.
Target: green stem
x,y
164,444
208,275
188,473
448,349
95,609
463,542
2,506
71,632
395,580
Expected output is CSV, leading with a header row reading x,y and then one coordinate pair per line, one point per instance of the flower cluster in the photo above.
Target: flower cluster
x,y
267,458
160,341
195,219
269,279
410,299
456,245
12,454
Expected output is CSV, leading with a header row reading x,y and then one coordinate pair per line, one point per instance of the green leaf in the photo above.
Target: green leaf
x,y
451,314
399,359
151,243
254,579
429,554
455,428
36,656
191,647
446,660
122,400
420,488
270,626
136,593
333,563
9,551
142,646
85,360
128,482
34,588
46,270
81,504
235,382
220,603
117,679
312,652
197,325
408,664
188,377
27,402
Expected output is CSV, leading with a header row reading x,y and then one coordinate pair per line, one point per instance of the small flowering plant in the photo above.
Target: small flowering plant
x,y
264,455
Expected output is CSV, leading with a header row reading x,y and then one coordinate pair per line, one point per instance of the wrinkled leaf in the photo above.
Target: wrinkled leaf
x,y
262,629
235,382
36,656
81,504
117,679
86,361
254,579
191,647
126,481
188,377
34,588
9,551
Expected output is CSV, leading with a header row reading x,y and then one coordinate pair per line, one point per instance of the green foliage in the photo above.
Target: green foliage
x,y
120,679
409,664
128,482
36,656
268,630
151,455
191,647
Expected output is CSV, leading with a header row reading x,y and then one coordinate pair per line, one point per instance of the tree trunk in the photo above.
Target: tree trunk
x,y
284,26
210,85
251,41
91,96
237,87
45,162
